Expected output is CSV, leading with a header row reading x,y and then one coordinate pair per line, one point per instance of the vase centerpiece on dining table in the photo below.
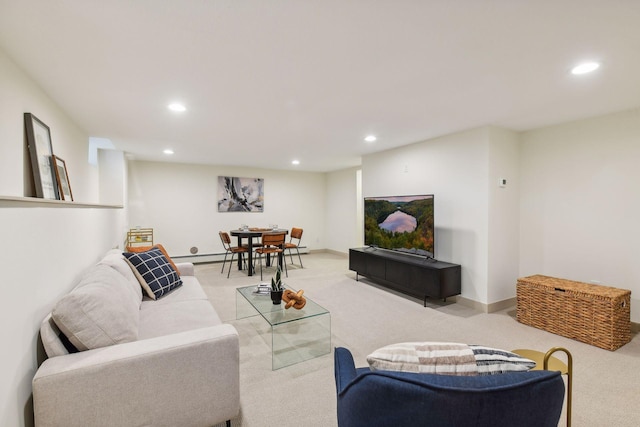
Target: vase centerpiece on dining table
x,y
277,287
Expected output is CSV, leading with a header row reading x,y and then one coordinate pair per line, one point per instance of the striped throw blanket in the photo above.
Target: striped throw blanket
x,y
447,358
425,357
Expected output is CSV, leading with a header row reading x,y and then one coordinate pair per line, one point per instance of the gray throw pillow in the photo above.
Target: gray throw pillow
x,y
99,312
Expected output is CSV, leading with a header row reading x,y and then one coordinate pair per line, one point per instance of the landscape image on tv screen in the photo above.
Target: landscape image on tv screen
x,y
403,223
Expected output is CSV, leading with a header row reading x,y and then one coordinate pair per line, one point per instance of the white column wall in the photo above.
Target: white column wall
x,y
179,202
113,177
343,210
455,169
580,202
504,214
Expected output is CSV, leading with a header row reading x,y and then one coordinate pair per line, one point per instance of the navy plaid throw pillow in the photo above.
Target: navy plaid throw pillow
x,y
154,272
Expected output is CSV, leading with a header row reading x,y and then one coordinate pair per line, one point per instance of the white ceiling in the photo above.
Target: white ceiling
x,y
267,81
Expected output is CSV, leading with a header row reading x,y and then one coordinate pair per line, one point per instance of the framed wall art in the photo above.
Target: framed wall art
x,y
240,194
62,178
41,152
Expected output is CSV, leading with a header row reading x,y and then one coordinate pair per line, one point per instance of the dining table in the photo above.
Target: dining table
x,y
249,234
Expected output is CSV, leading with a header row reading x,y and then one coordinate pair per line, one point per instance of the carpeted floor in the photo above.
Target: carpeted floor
x,y
364,317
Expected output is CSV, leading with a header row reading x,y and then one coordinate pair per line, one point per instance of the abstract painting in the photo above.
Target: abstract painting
x,y
240,194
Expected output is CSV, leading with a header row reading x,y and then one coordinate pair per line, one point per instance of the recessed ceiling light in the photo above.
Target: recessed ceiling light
x,y
295,162
585,67
370,138
177,107
168,151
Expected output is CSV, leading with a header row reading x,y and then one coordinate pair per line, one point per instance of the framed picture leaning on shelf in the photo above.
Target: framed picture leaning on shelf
x,y
41,152
62,177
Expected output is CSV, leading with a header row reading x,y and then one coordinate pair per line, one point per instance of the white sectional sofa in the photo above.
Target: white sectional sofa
x,y
142,362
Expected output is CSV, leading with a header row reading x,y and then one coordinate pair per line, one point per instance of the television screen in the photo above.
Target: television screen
x,y
402,223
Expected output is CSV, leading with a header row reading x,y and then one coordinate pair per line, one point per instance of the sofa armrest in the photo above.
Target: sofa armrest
x,y
186,268
344,368
186,379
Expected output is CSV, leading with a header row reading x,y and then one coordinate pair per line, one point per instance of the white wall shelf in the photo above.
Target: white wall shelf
x,y
25,202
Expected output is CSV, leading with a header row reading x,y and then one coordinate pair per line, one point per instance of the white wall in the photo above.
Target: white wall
x,y
44,249
179,202
455,169
343,210
20,95
580,204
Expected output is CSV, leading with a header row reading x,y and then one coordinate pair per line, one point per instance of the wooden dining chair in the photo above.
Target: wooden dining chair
x,y
296,234
226,243
272,244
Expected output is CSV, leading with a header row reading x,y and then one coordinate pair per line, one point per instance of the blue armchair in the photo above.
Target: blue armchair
x,y
393,399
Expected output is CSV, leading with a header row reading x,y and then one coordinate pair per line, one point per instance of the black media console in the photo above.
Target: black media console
x,y
409,274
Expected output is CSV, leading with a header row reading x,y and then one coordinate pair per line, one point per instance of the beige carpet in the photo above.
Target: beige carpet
x,y
364,317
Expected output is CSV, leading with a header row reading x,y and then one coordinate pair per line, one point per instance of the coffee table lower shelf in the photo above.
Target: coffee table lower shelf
x,y
295,335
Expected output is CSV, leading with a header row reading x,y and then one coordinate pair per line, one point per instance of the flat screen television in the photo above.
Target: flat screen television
x,y
400,223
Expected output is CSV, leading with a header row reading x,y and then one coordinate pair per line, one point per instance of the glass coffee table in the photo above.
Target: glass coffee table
x,y
296,335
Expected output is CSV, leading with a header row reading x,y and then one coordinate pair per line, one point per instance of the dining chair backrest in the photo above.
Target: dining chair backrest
x,y
273,239
296,233
226,240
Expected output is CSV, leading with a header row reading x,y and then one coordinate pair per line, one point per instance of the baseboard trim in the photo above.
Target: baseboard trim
x,y
219,257
471,303
501,305
507,303
487,308
330,251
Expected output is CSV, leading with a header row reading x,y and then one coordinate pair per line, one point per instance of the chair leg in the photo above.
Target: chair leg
x,y
224,262
291,256
569,373
284,261
230,265
260,267
228,423
298,250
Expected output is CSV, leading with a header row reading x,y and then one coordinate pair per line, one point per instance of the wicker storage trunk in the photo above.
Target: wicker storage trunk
x,y
593,314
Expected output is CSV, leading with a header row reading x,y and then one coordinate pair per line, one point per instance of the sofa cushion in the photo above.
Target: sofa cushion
x,y
54,341
190,290
116,260
154,272
99,312
447,358
158,319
